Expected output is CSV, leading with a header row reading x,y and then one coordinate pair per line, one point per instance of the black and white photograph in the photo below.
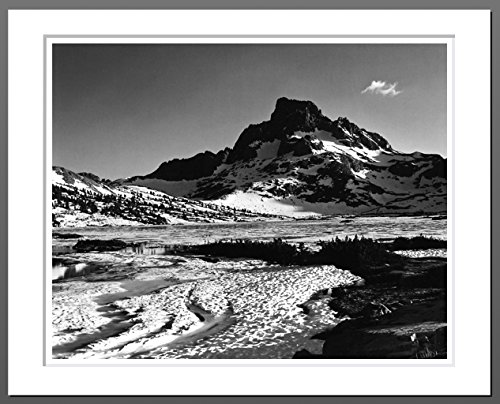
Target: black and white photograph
x,y
249,201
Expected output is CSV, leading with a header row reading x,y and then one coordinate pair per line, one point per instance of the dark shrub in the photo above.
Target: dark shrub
x,y
66,235
276,251
99,245
356,255
416,243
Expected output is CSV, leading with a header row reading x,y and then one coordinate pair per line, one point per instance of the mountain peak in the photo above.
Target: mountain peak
x,y
303,155
286,107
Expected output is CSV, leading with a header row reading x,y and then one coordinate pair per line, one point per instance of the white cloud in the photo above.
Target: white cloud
x,y
382,88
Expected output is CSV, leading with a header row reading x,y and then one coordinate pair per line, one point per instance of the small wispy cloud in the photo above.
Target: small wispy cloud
x,y
382,88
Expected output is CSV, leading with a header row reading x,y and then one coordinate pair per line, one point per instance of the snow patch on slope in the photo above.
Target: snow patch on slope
x,y
332,145
258,203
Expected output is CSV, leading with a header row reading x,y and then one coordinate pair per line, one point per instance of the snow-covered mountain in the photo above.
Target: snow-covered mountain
x,y
85,200
301,162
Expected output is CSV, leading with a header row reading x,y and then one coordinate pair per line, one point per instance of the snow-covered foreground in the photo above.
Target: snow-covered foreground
x,y
171,307
141,303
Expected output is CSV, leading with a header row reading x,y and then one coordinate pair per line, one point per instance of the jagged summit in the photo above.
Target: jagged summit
x,y
295,127
300,127
287,109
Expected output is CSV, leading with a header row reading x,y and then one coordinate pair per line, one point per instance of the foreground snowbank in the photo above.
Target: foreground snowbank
x,y
262,301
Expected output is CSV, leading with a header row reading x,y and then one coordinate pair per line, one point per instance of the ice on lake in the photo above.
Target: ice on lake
x,y
294,231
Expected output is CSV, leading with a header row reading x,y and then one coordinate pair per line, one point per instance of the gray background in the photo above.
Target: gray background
x,y
493,5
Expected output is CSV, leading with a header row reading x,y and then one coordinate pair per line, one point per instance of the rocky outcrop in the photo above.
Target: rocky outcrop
x,y
398,314
90,176
414,331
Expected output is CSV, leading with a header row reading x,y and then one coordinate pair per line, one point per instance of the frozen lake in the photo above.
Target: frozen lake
x,y
294,231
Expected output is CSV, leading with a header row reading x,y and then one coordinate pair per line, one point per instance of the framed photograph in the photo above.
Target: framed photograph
x,y
287,202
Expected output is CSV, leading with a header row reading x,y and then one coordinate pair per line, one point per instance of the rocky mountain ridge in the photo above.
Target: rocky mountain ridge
x,y
301,162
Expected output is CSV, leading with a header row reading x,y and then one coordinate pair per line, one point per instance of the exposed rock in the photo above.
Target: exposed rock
x,y
305,354
198,166
300,147
414,331
403,168
91,176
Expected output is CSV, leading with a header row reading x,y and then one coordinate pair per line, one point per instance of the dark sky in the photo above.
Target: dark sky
x,y
120,110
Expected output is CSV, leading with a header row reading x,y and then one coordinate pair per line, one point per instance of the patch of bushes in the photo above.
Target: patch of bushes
x,y
99,245
276,251
416,243
361,256
356,254
65,236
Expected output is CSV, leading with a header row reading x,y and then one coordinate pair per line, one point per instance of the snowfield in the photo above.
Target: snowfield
x,y
258,203
254,306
